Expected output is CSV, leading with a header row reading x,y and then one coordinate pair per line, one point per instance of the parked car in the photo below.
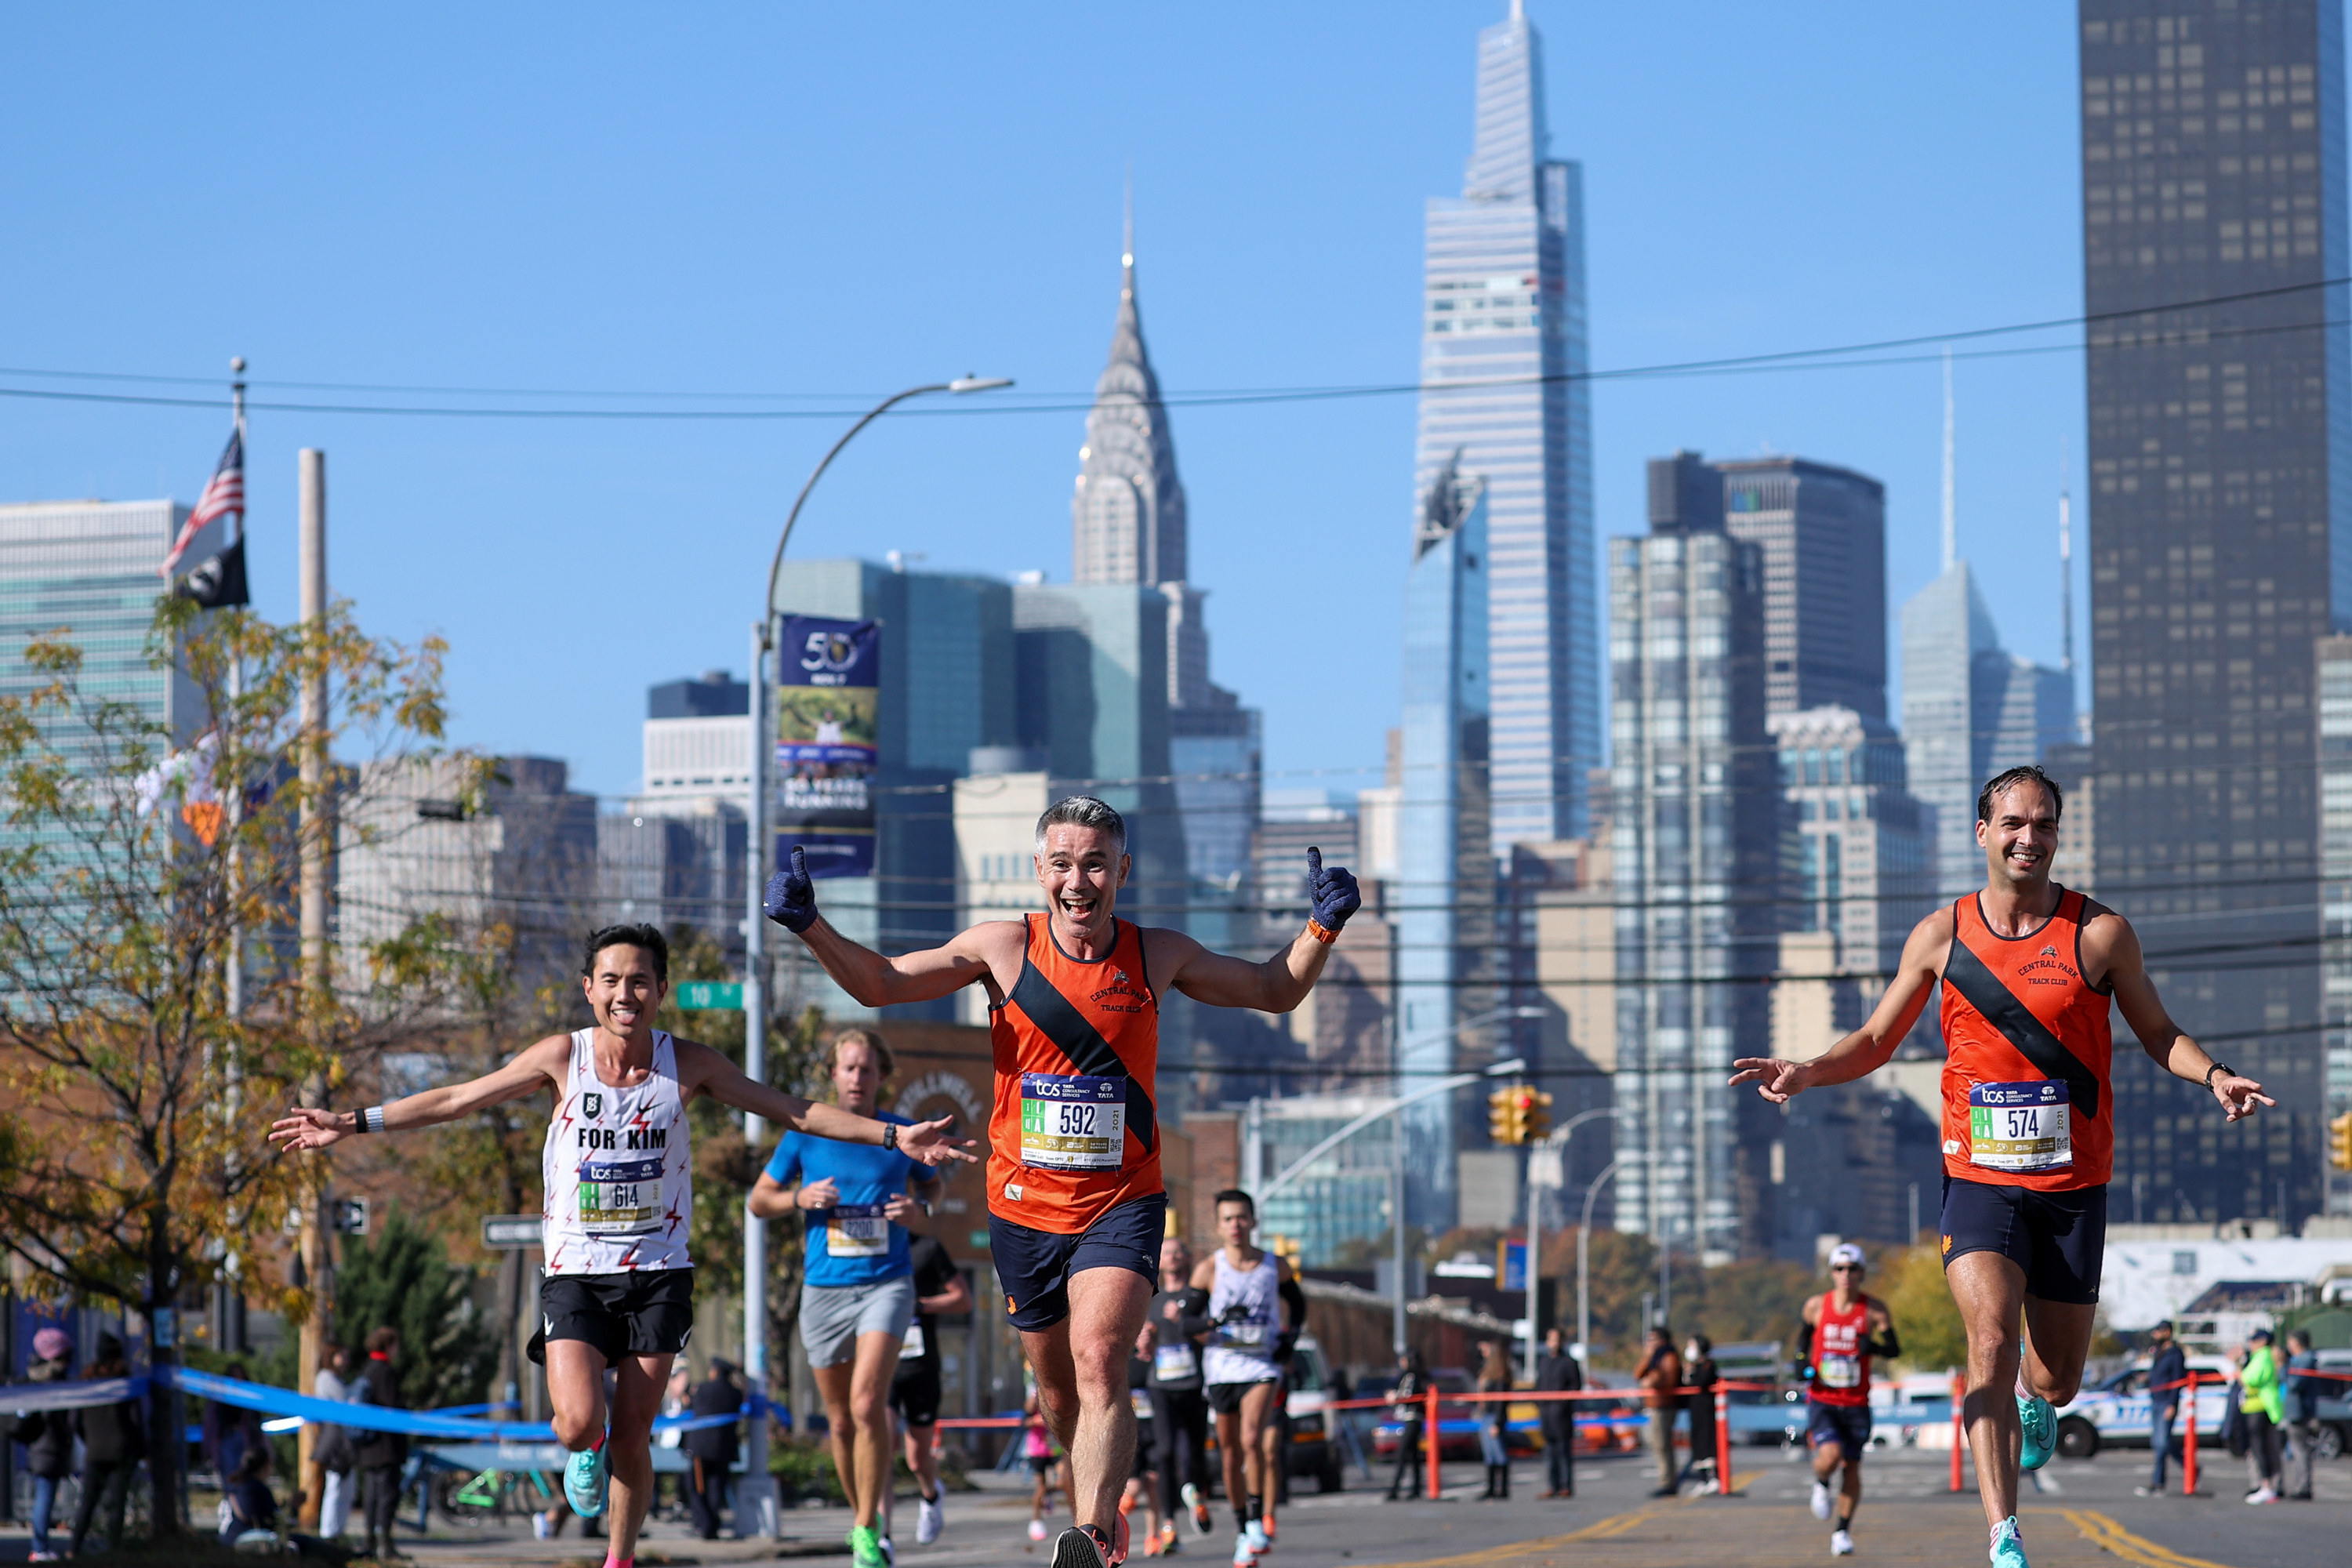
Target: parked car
x,y
2115,1413
1314,1445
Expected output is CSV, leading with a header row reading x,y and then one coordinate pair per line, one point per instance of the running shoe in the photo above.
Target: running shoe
x,y
1151,1543
1076,1547
1260,1542
2041,1424
2008,1547
1244,1554
2262,1495
1169,1546
890,1553
866,1546
930,1521
1821,1500
584,1477
1200,1507
1841,1543
1265,1521
541,1527
1036,1530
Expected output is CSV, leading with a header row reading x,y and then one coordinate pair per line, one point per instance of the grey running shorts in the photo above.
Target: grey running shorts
x,y
833,1316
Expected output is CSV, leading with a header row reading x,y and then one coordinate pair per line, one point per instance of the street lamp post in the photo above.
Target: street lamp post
x,y
760,1492
1556,1143
1583,1276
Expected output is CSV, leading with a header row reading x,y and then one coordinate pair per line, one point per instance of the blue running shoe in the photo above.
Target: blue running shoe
x,y
2041,1424
2008,1549
584,1480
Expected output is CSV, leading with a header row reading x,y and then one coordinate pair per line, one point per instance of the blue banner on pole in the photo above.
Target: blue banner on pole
x,y
828,739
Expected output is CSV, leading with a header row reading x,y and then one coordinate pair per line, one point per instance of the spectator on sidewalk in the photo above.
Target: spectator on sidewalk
x,y
1412,1388
47,1436
1660,1375
1495,1421
1556,1372
711,1450
230,1431
334,1450
113,1441
381,1454
2259,1399
2167,1369
1699,1374
2300,1403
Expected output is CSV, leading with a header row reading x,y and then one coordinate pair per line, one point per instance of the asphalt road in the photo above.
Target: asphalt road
x,y
2084,1514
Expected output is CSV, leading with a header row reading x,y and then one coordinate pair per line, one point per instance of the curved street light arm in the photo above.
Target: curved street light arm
x,y
776,566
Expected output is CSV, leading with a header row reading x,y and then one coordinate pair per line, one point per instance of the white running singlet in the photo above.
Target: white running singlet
x,y
1242,1350
617,1169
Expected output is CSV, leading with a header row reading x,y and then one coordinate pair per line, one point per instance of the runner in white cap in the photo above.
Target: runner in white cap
x,y
1843,1328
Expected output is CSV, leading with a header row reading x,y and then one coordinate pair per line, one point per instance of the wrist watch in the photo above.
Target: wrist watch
x,y
2221,1068
889,1135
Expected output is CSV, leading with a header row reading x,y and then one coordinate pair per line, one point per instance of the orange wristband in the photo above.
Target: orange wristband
x,y
1320,932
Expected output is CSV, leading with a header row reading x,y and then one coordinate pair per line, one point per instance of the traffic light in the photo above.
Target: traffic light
x,y
1517,1115
1505,1117
2339,1142
1538,1114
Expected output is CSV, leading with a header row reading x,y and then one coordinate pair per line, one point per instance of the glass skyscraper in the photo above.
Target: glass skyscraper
x,y
1446,869
2221,549
1503,331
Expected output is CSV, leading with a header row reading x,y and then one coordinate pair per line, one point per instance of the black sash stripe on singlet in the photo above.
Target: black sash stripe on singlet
x,y
1084,1045
1981,988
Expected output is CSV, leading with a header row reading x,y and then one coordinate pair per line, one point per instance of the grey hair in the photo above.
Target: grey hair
x,y
1083,811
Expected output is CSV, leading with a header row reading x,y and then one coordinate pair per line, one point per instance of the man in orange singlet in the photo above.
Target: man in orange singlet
x,y
2028,970
1075,1205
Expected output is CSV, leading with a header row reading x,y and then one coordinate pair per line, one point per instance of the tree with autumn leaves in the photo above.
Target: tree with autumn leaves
x,y
151,998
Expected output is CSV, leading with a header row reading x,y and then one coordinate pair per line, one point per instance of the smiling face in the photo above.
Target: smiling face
x,y
623,990
1081,870
2020,838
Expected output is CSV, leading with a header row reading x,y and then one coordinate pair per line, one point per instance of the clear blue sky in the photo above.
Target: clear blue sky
x,y
849,199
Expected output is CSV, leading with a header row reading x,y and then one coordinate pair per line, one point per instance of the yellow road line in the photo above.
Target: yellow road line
x,y
1599,1530
2111,1537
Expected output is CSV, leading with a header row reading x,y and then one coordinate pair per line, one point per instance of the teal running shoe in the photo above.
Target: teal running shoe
x,y
2041,1424
2008,1549
584,1480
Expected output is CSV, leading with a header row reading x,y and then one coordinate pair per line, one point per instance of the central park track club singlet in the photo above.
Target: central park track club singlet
x,y
1072,1134
2028,1052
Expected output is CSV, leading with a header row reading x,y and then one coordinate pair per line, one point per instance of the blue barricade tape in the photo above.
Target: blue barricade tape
x,y
27,1398
415,1423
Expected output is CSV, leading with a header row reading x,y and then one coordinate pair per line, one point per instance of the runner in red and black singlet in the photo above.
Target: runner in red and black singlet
x,y
1076,1206
2028,970
1840,1330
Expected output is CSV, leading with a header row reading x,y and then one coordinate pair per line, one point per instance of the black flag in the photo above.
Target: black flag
x,y
218,581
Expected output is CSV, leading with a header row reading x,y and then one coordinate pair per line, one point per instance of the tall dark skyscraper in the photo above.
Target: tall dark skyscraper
x,y
2220,455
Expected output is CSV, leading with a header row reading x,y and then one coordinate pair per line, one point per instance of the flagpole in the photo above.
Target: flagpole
x,y
235,967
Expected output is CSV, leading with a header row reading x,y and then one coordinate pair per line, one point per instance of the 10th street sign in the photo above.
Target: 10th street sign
x,y
711,996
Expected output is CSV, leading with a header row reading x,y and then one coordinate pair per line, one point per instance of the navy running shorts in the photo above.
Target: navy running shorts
x,y
1034,1267
2059,1239
1847,1426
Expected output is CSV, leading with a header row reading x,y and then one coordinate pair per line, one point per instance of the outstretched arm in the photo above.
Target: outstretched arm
x,y
1281,983
2166,1044
531,1070
1867,1048
700,1068
870,978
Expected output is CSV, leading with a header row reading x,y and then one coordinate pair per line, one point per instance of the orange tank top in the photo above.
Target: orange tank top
x,y
2027,1053
1073,1134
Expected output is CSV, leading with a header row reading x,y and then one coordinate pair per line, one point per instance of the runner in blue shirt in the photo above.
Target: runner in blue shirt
x,y
857,1294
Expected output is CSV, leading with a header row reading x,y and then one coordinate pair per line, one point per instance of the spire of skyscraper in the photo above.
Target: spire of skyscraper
x,y
1511,138
1127,518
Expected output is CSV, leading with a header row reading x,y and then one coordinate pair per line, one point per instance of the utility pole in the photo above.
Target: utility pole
x,y
318,1259
228,1298
758,1503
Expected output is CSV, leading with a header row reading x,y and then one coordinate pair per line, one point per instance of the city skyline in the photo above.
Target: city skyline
x,y
353,267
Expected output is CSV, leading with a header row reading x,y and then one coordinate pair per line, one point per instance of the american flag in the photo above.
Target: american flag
x,y
225,493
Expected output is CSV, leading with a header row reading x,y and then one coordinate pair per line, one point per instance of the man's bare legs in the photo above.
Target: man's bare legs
x,y
1989,1290
1081,1366
1827,1457
1242,1443
856,1394
575,1388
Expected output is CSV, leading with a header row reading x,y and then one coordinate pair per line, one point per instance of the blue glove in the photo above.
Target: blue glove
x,y
790,899
1333,893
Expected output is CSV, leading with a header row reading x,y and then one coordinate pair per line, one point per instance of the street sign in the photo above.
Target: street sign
x,y
1511,1265
512,1232
711,996
350,1216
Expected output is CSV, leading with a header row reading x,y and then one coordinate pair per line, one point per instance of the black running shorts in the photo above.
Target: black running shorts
x,y
915,1393
1225,1398
1034,1265
2059,1239
646,1313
